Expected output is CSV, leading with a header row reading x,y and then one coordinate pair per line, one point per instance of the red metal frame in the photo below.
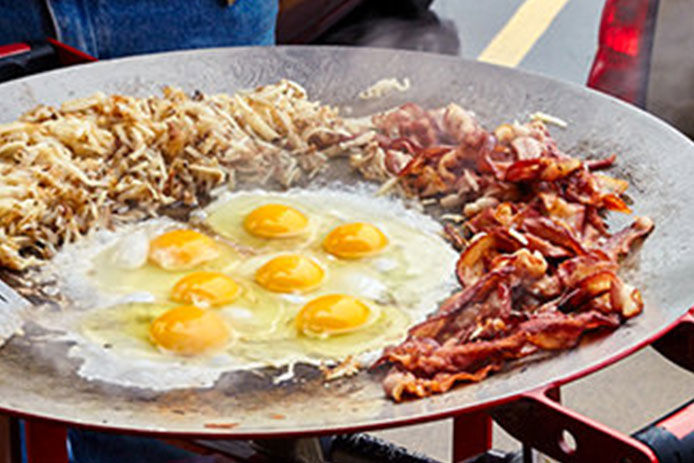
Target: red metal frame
x,y
539,421
680,422
536,418
70,55
13,49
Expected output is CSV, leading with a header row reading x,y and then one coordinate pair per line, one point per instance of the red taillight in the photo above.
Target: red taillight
x,y
622,62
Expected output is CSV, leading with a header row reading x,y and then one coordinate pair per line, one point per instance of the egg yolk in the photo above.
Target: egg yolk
x,y
332,314
275,221
290,273
354,240
182,249
209,288
189,330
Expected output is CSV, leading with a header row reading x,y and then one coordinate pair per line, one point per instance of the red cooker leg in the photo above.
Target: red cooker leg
x,y
46,442
472,434
10,451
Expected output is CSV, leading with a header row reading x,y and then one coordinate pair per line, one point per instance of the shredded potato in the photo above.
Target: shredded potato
x,y
108,159
384,87
548,119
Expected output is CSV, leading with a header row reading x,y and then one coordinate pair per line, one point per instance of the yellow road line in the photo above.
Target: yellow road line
x,y
520,33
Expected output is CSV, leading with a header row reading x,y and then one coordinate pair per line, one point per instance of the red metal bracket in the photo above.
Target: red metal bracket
x,y
544,424
538,419
678,344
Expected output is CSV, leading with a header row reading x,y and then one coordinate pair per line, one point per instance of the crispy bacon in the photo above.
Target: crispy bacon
x,y
620,243
527,147
395,161
423,367
625,299
401,383
599,164
550,230
454,236
462,127
572,216
573,270
435,167
541,169
546,248
470,266
409,121
538,266
591,287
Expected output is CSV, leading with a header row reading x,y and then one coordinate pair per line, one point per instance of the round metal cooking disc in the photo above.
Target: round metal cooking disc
x,y
657,161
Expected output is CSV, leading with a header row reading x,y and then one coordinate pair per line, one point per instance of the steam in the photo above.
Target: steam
x,y
425,32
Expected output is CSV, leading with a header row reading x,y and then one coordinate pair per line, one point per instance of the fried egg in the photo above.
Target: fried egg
x,y
205,289
189,330
260,226
290,273
333,314
182,249
381,237
354,240
259,279
275,221
155,258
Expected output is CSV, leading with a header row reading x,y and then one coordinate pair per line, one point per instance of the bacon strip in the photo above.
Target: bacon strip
x,y
541,268
422,367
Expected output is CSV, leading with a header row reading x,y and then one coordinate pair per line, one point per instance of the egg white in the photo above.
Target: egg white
x,y
415,269
402,284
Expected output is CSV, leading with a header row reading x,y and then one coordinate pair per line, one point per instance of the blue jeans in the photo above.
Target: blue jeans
x,y
96,447
112,28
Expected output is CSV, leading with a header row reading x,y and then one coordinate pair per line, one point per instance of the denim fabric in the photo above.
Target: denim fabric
x,y
24,20
97,447
112,28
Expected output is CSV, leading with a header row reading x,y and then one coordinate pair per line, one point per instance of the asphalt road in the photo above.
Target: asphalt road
x,y
557,37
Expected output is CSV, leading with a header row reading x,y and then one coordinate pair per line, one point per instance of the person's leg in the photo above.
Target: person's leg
x,y
111,28
98,447
27,20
